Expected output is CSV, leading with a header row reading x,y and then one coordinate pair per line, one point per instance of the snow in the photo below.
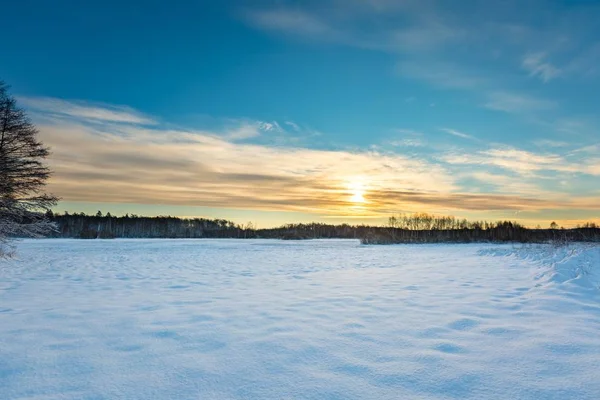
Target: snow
x,y
320,319
578,264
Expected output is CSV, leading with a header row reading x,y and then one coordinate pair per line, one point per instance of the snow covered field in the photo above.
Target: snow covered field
x,y
228,319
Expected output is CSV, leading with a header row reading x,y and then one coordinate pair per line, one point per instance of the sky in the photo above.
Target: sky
x,y
333,110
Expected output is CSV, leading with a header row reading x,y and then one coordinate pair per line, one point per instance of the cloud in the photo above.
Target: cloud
x,y
591,149
458,134
537,66
462,201
521,161
593,167
407,143
117,162
409,138
408,132
294,126
517,103
409,25
294,21
511,184
252,129
270,126
245,131
85,110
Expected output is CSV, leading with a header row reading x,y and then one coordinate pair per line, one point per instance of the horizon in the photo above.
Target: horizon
x,y
274,112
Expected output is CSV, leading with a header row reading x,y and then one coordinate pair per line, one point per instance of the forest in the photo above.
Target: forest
x,y
404,228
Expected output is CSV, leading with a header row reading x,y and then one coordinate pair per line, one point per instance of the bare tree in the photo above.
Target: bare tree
x,y
23,176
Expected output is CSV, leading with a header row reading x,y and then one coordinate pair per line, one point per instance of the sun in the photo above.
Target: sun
x,y
357,197
357,193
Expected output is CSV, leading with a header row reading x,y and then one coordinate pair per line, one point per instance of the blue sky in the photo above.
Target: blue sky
x,y
280,111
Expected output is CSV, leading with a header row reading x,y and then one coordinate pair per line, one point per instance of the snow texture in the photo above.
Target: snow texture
x,y
321,319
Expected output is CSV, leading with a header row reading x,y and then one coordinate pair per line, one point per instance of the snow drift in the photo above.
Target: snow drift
x,y
574,263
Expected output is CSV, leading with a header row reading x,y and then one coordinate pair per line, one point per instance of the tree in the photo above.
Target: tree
x,y
553,225
23,176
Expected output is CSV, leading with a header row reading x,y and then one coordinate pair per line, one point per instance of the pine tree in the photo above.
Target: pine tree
x,y
23,176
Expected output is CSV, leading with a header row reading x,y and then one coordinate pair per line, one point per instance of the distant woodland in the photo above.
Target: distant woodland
x,y
413,228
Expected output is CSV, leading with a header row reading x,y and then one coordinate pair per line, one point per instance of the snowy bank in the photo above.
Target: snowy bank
x,y
575,263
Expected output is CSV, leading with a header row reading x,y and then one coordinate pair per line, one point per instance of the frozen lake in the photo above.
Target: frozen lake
x,y
323,319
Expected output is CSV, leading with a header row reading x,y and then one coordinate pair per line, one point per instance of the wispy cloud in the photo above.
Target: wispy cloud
x,y
245,131
509,158
459,134
537,66
408,132
591,149
86,110
408,138
294,125
252,129
523,162
511,184
354,25
408,142
517,103
294,21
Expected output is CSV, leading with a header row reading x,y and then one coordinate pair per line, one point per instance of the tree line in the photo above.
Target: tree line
x,y
413,228
428,228
106,226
